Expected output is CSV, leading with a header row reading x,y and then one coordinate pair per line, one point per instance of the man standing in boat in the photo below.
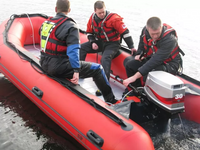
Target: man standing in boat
x,y
60,45
158,50
104,30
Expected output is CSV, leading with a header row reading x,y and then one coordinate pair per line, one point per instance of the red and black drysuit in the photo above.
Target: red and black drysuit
x,y
106,33
61,56
162,54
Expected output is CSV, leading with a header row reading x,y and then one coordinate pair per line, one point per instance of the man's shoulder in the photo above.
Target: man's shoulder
x,y
69,20
167,41
114,15
170,37
68,24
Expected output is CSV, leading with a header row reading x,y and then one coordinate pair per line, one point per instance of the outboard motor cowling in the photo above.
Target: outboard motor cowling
x,y
166,91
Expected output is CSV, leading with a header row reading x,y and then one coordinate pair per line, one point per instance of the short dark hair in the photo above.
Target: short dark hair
x,y
99,5
154,23
63,5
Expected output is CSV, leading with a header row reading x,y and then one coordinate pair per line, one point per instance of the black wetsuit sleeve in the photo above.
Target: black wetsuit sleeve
x,y
69,32
91,37
128,38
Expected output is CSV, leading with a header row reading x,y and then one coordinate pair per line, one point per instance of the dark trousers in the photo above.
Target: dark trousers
x,y
131,67
108,49
61,67
96,71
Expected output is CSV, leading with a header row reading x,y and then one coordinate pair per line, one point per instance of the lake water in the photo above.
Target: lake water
x,y
24,126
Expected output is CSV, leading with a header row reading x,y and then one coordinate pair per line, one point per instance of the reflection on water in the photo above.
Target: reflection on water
x,y
24,126
180,135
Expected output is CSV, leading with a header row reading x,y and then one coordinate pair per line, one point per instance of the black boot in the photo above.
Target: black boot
x,y
113,101
110,99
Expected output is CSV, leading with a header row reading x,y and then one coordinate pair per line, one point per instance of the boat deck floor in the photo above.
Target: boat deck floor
x,y
87,83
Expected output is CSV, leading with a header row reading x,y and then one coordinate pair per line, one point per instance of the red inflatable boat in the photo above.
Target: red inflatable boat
x,y
87,118
82,114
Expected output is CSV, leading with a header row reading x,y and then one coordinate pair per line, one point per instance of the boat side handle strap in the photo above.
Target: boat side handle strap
x,y
37,91
95,138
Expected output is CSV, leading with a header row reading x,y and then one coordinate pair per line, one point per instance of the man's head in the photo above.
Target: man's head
x,y
62,6
154,27
100,9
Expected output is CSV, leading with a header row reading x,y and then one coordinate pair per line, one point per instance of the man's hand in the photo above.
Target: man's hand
x,y
137,57
94,46
127,81
133,51
131,79
75,78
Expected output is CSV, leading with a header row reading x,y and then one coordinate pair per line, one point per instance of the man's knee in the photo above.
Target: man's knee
x,y
130,63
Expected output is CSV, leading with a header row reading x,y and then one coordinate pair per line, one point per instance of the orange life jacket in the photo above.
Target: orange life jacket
x,y
103,30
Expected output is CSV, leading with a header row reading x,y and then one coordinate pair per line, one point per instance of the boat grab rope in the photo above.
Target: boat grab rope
x,y
70,86
32,32
23,56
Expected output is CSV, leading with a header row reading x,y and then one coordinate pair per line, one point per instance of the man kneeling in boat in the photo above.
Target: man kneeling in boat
x,y
158,50
60,51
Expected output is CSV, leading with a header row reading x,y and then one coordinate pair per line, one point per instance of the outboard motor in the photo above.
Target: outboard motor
x,y
161,98
166,91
